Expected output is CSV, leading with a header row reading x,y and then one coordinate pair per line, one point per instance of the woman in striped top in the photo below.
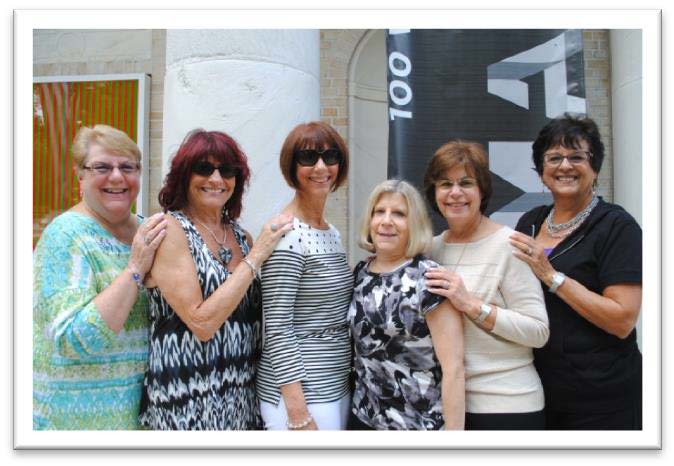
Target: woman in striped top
x,y
303,377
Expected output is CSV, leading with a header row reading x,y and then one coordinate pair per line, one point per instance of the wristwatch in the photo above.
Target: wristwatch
x,y
557,280
485,310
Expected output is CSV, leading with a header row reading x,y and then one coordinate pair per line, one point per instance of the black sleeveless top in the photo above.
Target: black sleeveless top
x,y
194,385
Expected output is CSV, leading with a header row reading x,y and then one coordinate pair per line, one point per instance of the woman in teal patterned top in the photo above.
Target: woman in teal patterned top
x,y
90,318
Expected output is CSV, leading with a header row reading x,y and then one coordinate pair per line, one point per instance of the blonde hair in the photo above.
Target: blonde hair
x,y
111,139
421,233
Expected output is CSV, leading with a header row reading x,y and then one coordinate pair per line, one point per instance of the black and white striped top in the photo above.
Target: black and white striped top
x,y
306,292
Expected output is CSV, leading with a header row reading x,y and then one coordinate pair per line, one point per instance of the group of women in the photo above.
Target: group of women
x,y
182,322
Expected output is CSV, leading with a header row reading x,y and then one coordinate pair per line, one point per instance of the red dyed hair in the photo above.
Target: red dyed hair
x,y
197,146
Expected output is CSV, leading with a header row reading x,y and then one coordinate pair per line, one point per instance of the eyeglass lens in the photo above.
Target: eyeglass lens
x,y
576,158
309,157
463,183
104,168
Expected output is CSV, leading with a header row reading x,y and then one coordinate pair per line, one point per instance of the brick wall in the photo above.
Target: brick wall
x,y
337,47
156,115
598,94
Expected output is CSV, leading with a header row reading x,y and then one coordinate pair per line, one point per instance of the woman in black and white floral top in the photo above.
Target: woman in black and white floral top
x,y
408,342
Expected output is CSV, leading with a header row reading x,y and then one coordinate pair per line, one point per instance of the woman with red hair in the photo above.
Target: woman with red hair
x,y
204,291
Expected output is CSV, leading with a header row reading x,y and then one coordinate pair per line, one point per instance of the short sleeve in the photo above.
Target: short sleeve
x,y
427,300
620,254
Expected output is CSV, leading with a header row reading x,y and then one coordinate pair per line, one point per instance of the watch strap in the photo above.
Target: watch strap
x,y
557,280
485,310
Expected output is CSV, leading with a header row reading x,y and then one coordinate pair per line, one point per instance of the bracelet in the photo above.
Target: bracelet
x,y
136,279
485,311
301,424
252,267
557,280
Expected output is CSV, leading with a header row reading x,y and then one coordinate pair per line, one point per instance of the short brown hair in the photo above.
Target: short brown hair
x,y
111,139
312,135
469,154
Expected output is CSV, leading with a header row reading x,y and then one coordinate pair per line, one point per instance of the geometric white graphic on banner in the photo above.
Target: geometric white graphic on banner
x,y
516,92
504,78
512,162
557,101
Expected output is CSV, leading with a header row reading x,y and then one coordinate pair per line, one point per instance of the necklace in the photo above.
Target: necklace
x,y
463,249
562,230
224,252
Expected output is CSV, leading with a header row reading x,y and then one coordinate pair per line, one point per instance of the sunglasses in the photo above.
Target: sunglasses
x,y
207,168
309,157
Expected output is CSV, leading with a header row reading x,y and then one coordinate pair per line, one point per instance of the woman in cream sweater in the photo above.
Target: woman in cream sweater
x,y
500,298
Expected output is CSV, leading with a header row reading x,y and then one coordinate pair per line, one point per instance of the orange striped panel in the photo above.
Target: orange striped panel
x,y
59,110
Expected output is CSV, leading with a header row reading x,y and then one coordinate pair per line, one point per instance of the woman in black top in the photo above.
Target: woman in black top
x,y
587,254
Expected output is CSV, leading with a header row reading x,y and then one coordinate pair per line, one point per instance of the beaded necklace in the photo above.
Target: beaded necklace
x,y
562,230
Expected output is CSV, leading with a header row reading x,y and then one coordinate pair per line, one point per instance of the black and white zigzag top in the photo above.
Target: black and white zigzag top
x,y
194,385
306,292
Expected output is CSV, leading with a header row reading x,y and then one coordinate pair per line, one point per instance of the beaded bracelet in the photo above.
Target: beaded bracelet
x,y
136,279
301,424
252,267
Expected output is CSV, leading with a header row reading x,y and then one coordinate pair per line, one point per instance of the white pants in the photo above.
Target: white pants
x,y
328,416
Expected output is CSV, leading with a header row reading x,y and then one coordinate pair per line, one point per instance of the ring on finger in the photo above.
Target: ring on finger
x,y
530,251
446,285
273,227
146,240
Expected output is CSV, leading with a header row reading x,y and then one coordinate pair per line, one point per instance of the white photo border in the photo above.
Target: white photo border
x,y
648,21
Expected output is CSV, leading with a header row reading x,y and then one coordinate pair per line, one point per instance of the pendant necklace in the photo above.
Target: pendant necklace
x,y
224,252
465,244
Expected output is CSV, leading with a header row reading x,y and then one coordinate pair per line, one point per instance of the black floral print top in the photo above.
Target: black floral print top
x,y
398,377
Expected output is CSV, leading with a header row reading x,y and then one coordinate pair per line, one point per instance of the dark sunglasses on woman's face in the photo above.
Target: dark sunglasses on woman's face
x,y
207,168
309,157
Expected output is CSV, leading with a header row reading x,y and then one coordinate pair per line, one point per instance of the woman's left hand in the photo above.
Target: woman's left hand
x,y
147,239
442,282
527,249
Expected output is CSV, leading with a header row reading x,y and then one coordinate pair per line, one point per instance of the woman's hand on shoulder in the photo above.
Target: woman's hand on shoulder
x,y
271,233
450,285
147,239
528,250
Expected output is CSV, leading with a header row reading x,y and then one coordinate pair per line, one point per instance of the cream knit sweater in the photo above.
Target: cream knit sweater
x,y
500,375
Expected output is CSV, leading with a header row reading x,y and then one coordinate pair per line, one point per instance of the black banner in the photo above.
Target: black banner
x,y
497,87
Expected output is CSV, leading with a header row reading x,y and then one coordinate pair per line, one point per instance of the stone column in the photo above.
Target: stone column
x,y
255,85
626,82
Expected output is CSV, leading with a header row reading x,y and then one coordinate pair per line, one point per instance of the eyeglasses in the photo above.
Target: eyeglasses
x,y
104,169
207,168
463,183
553,159
309,157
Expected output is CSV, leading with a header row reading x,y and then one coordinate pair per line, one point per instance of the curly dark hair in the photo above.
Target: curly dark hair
x,y
197,146
569,131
